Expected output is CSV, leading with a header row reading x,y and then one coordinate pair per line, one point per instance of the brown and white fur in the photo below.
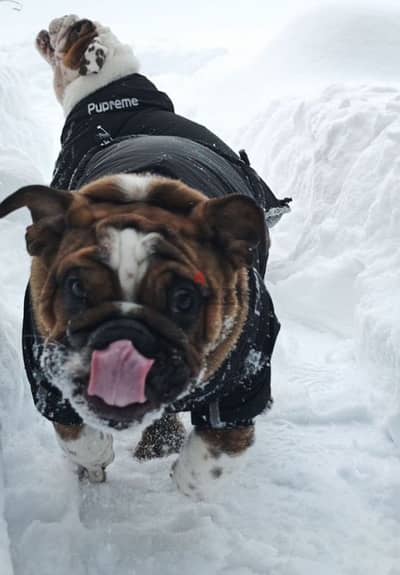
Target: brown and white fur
x,y
77,50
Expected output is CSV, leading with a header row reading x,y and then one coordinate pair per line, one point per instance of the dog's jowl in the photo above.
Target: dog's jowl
x,y
146,296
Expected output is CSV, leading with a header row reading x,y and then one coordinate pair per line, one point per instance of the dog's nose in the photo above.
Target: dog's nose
x,y
133,330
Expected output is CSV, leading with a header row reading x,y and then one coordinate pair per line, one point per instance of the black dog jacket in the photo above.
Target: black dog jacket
x,y
129,126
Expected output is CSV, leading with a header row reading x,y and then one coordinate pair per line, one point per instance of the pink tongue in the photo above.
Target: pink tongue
x,y
118,374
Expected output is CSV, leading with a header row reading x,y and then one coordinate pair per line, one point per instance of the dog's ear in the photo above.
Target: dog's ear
x,y
48,207
235,224
42,202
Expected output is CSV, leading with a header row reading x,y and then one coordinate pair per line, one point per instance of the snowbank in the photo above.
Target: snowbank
x,y
5,559
336,42
24,152
336,258
29,116
10,396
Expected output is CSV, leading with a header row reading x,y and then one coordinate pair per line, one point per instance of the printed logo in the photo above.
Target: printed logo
x,y
118,104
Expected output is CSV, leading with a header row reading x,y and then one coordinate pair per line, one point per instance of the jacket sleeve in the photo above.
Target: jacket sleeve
x,y
47,398
247,389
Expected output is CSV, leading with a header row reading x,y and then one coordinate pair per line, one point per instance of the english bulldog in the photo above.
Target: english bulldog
x,y
146,296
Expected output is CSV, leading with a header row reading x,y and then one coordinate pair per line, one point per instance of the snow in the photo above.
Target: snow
x,y
319,492
346,144
353,42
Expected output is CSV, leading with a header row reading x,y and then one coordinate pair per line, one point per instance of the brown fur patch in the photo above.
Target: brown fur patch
x,y
174,196
105,189
228,441
79,38
68,432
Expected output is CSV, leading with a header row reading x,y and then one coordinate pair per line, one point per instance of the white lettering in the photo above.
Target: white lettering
x,y
118,104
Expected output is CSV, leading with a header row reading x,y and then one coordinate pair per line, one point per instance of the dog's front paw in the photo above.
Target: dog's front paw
x,y
93,58
59,30
91,450
197,470
44,46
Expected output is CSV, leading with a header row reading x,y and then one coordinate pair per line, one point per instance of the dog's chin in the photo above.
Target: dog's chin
x,y
120,417
95,410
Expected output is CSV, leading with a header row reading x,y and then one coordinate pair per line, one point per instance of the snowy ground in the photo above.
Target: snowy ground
x,y
320,491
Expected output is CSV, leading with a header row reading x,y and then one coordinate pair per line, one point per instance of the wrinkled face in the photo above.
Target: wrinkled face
x,y
139,287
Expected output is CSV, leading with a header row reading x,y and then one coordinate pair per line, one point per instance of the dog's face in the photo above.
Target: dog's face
x,y
139,286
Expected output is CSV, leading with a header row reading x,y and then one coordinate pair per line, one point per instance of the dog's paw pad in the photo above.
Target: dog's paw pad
x,y
93,58
43,45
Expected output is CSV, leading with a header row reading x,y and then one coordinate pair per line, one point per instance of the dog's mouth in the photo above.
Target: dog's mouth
x,y
118,374
127,370
117,383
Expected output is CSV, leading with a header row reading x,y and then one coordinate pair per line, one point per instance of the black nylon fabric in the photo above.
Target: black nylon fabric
x,y
150,137
154,115
85,134
190,162
242,385
48,399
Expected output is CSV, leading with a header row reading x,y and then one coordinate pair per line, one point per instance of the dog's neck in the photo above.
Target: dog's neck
x,y
121,61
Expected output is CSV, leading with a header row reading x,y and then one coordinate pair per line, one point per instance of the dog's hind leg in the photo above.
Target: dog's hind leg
x,y
90,449
161,438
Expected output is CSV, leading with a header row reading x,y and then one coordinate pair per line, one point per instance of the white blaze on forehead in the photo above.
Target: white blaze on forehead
x,y
136,187
127,307
128,255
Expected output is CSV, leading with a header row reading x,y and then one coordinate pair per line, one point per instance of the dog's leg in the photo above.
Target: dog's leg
x,y
51,44
208,456
73,43
90,449
73,48
161,438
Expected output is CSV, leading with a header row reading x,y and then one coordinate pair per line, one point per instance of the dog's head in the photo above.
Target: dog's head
x,y
77,50
139,287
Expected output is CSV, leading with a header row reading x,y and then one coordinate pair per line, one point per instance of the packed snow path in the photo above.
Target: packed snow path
x,y
319,492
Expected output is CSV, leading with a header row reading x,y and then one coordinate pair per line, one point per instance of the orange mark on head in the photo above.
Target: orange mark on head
x,y
199,278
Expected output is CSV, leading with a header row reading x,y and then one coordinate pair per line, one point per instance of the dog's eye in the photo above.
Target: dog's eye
x,y
75,295
184,301
75,288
